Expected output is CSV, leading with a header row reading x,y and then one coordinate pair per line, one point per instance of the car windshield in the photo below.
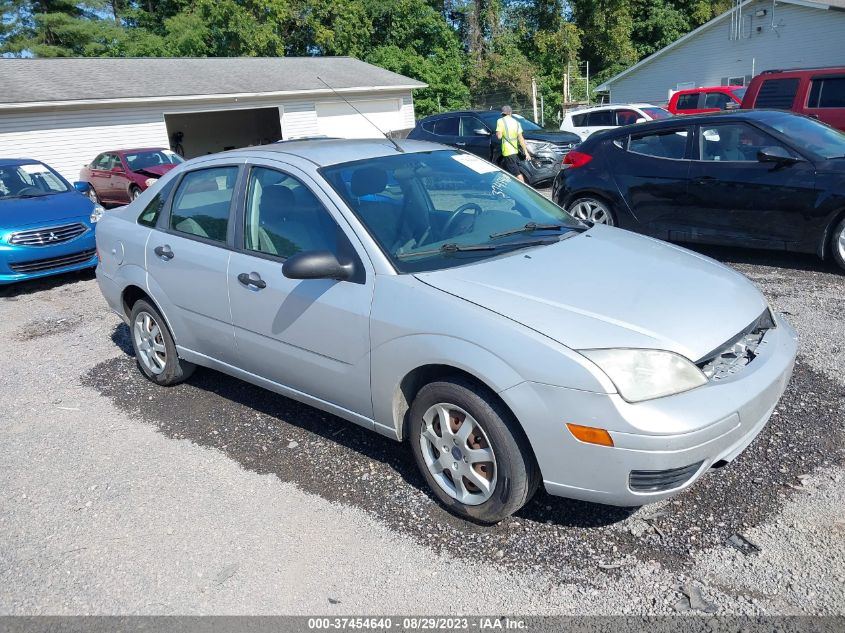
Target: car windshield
x,y
739,93
490,118
29,181
152,158
813,135
657,113
433,210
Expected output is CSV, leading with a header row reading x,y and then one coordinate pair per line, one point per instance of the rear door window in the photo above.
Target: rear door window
x,y
202,202
663,144
600,117
447,126
688,102
827,92
777,93
579,120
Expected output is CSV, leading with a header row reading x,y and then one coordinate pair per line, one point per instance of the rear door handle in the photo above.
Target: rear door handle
x,y
459,143
252,279
704,180
164,252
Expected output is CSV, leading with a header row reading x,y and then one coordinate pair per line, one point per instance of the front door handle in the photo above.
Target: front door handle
x,y
164,252
704,180
252,279
460,144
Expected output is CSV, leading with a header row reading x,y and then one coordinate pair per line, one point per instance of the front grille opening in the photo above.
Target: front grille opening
x,y
40,265
49,235
661,480
733,356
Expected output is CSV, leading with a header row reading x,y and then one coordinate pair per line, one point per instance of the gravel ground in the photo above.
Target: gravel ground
x,y
218,497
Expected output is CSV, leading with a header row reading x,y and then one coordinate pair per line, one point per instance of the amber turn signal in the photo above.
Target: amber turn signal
x,y
590,435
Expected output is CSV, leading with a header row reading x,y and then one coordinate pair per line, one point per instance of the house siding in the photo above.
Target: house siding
x,y
803,36
66,138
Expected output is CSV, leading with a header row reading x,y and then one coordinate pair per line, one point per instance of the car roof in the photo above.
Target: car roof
x,y
134,149
707,89
604,106
330,151
14,162
692,119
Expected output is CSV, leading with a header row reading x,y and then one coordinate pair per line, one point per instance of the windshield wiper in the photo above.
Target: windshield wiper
x,y
528,228
447,249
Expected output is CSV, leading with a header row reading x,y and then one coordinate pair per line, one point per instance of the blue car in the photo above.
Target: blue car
x,y
46,224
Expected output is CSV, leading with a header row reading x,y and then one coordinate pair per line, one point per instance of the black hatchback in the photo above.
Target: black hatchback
x,y
764,179
475,131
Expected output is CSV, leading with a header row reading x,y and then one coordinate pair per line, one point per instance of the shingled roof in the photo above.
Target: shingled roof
x,y
25,81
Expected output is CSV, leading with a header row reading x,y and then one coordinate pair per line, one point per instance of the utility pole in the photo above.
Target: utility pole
x,y
542,112
534,97
588,83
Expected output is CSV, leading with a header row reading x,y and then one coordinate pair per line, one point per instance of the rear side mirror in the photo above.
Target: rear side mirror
x,y
316,265
82,187
775,154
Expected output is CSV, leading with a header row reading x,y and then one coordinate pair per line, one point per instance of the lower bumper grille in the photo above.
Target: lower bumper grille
x,y
661,480
52,262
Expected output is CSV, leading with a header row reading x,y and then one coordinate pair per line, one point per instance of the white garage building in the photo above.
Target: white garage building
x,y
66,111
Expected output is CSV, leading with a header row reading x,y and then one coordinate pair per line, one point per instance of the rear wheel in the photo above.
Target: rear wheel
x,y
155,349
837,243
471,452
592,210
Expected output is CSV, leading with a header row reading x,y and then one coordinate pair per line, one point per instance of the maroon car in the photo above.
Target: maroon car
x,y
120,176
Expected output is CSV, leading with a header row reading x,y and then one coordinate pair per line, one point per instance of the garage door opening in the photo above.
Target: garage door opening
x,y
209,132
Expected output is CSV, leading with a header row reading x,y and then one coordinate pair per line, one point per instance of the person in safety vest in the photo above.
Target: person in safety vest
x,y
509,131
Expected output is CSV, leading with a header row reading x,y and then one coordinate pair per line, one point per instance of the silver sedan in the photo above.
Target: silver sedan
x,y
424,294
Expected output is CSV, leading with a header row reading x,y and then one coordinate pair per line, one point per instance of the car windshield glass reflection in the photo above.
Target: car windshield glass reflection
x,y
143,160
29,181
440,209
813,135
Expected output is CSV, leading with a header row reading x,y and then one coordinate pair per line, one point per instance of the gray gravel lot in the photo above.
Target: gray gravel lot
x,y
217,497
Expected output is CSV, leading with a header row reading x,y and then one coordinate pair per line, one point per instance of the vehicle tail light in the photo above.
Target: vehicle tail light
x,y
590,435
576,159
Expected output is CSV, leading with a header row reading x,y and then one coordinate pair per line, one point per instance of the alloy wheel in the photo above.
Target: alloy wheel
x,y
591,210
149,343
840,243
92,195
458,454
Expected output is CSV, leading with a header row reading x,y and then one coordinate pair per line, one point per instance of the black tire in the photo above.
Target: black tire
x,y
516,473
837,243
174,370
134,192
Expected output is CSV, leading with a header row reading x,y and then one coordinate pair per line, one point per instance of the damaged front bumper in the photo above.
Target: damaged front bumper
x,y
661,446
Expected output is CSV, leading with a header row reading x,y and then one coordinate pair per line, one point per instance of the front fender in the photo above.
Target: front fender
x,y
395,359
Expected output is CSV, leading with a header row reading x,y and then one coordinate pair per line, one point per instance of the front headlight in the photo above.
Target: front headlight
x,y
644,374
97,213
149,182
535,147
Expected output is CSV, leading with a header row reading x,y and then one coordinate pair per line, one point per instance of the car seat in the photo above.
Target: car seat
x,y
382,217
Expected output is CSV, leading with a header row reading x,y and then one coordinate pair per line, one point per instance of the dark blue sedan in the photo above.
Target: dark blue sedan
x,y
46,225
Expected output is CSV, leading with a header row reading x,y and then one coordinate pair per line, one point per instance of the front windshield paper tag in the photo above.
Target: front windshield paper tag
x,y
475,163
33,169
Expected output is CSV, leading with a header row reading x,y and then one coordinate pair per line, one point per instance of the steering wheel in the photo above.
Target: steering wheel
x,y
457,213
28,190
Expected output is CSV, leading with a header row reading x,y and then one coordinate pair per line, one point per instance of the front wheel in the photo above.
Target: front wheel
x,y
471,451
591,210
134,192
837,243
155,349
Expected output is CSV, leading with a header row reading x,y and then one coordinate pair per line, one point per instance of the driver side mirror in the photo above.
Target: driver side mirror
x,y
316,265
481,132
82,187
776,154
640,120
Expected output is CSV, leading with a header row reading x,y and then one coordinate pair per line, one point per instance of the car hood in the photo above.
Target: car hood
x,y
154,171
552,137
612,288
18,213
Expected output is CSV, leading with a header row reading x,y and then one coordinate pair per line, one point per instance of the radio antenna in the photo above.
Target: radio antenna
x,y
394,143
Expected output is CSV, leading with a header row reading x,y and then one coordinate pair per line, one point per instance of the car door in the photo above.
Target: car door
x,y
100,176
188,259
626,116
826,99
312,335
651,169
736,199
597,120
120,181
473,136
445,130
